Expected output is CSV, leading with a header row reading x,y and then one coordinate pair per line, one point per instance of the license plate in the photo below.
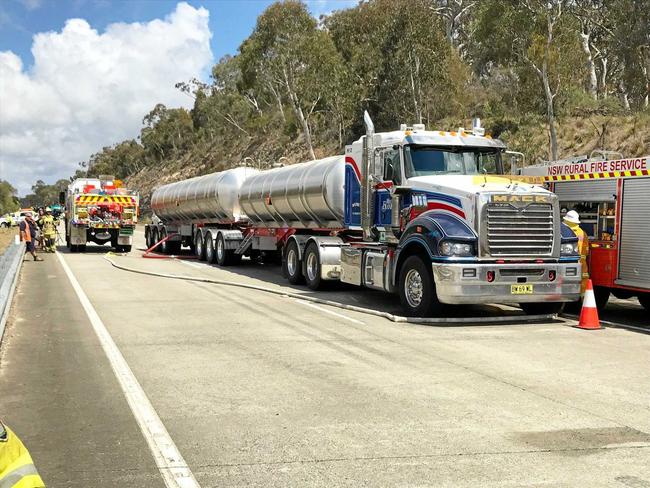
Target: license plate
x,y
521,289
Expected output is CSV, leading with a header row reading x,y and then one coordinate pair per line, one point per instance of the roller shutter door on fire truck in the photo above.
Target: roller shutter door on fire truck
x,y
586,191
634,251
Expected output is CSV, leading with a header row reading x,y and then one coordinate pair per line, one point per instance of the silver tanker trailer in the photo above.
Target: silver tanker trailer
x,y
412,212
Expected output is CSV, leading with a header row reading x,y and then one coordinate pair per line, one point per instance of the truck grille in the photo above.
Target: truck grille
x,y
513,231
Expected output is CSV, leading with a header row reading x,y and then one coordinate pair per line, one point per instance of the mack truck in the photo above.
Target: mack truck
x,y
420,213
99,210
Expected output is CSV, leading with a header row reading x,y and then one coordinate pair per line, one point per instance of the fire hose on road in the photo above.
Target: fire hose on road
x,y
392,317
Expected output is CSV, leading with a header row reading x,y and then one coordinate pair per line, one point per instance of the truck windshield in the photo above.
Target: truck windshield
x,y
429,160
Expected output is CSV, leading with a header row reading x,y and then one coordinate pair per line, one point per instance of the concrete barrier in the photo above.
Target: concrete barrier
x,y
10,263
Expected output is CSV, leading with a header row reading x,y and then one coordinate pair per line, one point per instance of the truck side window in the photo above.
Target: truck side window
x,y
392,166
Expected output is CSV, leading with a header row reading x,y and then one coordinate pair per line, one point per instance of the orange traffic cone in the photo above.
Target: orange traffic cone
x,y
589,313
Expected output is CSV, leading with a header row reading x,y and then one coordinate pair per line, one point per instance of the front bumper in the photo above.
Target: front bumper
x,y
460,283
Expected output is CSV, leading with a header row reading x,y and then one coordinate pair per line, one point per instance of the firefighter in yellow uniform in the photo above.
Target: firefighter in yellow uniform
x,y
48,223
17,469
572,219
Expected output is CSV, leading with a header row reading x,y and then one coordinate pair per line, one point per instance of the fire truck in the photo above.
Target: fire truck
x,y
99,210
612,197
411,212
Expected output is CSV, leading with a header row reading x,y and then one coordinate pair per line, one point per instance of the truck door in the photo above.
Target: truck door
x,y
391,175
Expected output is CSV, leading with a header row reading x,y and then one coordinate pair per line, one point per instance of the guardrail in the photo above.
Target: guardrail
x,y
10,263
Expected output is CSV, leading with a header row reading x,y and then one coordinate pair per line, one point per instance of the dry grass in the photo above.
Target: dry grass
x,y
6,238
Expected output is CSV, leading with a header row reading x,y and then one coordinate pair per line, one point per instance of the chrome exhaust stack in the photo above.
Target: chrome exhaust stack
x,y
366,178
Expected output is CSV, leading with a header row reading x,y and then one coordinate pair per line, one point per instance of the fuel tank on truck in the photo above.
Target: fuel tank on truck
x,y
305,195
207,198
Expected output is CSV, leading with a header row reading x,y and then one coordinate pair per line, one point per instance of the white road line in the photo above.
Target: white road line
x,y
170,462
331,312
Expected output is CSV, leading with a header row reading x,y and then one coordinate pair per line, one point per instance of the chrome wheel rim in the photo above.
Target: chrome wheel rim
x,y
292,262
220,251
413,289
199,247
312,265
209,249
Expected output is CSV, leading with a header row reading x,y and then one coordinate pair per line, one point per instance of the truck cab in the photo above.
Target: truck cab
x,y
441,224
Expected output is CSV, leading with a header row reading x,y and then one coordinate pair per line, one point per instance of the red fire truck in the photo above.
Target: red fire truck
x,y
612,197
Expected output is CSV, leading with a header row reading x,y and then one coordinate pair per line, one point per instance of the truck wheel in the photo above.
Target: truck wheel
x,y
291,264
147,237
601,294
210,255
311,263
126,248
417,290
164,247
154,239
542,308
644,300
199,248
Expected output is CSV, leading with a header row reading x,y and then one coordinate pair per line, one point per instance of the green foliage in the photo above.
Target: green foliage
x,y
298,86
8,200
43,195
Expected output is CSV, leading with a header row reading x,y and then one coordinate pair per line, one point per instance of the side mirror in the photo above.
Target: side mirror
x,y
62,198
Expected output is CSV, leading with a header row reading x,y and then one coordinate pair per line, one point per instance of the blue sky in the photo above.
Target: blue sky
x,y
231,21
79,75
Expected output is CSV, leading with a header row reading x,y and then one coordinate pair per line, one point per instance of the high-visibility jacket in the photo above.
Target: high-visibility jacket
x,y
583,250
48,224
25,231
17,469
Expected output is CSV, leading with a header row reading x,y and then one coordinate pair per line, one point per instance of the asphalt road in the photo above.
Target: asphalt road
x,y
257,389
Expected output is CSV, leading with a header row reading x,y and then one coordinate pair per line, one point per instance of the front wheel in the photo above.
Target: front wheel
x,y
417,290
601,294
312,267
291,265
542,308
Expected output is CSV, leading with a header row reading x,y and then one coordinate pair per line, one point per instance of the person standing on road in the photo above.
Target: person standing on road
x,y
48,224
28,235
572,219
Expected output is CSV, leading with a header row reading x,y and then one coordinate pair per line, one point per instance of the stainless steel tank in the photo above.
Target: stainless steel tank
x,y
207,198
306,195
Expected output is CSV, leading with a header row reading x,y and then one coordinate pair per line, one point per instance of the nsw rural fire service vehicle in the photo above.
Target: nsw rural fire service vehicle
x,y
612,197
101,211
411,212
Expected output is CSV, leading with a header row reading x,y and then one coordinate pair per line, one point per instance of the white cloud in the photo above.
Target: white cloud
x,y
87,89
31,4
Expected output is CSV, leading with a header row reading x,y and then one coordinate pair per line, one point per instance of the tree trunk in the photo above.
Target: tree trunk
x,y
624,98
300,114
592,84
550,112
603,77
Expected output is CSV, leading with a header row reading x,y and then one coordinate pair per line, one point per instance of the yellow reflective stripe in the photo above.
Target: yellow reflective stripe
x,y
25,476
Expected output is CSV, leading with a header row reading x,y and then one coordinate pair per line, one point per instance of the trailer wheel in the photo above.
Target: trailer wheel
x,y
164,247
417,290
147,236
154,239
210,255
644,300
291,264
311,264
199,248
542,308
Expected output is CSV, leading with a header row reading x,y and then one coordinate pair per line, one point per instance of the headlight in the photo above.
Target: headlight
x,y
569,248
449,248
